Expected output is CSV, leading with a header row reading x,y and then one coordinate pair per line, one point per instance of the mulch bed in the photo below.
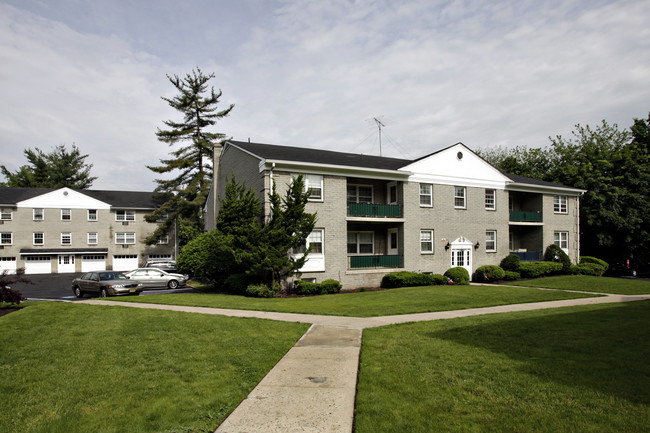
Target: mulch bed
x,y
4,311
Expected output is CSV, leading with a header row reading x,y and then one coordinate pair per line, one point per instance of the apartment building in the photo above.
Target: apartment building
x,y
47,230
377,215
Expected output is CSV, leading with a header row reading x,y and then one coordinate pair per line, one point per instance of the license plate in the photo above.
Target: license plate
x,y
131,290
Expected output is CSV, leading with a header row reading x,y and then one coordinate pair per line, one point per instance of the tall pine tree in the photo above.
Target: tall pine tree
x,y
187,191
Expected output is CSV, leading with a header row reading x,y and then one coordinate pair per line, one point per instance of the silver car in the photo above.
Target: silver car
x,y
105,283
153,277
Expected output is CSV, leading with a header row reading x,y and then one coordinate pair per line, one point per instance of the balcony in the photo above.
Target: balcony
x,y
371,262
372,210
526,216
528,256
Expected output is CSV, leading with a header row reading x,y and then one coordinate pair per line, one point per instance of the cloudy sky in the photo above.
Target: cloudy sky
x,y
314,73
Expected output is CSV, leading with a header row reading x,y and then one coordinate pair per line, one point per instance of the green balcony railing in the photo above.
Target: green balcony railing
x,y
367,262
526,216
374,210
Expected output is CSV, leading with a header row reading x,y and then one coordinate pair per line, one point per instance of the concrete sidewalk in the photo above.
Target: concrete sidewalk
x,y
312,389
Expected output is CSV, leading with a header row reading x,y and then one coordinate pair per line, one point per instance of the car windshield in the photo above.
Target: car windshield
x,y
106,276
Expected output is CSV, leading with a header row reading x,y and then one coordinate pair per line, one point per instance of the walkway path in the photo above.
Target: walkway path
x,y
312,389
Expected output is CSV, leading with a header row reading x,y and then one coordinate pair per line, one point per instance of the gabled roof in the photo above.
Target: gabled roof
x,y
317,156
117,199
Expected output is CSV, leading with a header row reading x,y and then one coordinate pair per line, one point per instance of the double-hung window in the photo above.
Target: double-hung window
x,y
561,239
66,215
560,204
125,238
426,241
426,195
124,215
163,240
6,238
92,238
314,185
313,241
490,199
359,194
361,243
5,214
92,214
490,241
38,215
66,238
460,193
39,238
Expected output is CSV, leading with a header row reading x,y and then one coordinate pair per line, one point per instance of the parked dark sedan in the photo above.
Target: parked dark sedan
x,y
105,283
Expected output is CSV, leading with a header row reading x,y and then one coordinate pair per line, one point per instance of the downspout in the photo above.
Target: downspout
x,y
578,229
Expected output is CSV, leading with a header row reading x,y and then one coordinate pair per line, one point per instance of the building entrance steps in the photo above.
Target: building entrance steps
x,y
311,389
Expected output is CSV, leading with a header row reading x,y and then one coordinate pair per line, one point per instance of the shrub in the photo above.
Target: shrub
x,y
412,279
511,275
589,259
330,286
324,288
7,294
539,269
238,283
11,296
489,273
458,275
588,269
262,290
555,254
510,263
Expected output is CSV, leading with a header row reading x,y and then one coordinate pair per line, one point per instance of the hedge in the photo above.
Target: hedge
x,y
588,269
412,279
488,274
510,263
539,269
595,260
556,254
324,288
262,290
458,275
511,276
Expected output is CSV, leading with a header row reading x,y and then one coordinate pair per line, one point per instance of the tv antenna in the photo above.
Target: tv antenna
x,y
379,125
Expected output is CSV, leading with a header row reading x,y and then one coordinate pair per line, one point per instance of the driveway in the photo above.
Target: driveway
x,y
59,286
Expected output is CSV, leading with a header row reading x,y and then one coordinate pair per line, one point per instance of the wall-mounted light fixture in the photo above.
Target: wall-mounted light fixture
x,y
447,246
476,245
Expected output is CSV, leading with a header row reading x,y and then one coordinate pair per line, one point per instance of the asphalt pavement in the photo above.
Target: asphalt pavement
x,y
59,287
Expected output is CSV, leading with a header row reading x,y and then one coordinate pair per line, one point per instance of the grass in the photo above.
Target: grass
x,y
619,286
370,304
78,368
578,369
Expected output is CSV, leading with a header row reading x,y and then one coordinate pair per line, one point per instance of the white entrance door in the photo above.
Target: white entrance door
x,y
393,244
66,264
461,254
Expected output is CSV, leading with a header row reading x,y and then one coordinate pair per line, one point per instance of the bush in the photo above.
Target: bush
x,y
597,261
488,274
11,296
510,263
539,269
412,279
238,283
555,254
324,288
511,276
458,275
262,290
7,294
588,269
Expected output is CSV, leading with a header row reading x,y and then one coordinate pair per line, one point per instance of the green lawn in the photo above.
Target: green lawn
x,y
370,304
578,369
619,286
77,368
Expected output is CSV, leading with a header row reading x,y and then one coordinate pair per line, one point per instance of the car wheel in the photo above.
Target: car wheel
x,y
103,293
78,293
172,284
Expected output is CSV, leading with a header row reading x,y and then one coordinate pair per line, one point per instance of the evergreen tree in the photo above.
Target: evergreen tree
x,y
187,191
57,169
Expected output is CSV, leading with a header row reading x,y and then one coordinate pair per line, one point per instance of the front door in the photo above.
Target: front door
x,y
66,264
461,254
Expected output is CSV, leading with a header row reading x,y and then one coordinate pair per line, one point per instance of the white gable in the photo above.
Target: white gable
x,y
63,198
456,165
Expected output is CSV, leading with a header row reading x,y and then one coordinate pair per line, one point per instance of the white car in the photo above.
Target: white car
x,y
153,277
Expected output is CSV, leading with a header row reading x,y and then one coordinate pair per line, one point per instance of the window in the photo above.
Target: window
x,y
426,241
314,240
359,194
426,194
66,215
38,215
5,214
125,238
491,241
92,238
124,215
560,204
392,193
163,240
490,199
92,214
314,184
6,238
459,197
66,238
561,239
361,243
39,239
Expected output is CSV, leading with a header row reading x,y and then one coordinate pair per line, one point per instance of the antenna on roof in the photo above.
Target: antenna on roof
x,y
379,125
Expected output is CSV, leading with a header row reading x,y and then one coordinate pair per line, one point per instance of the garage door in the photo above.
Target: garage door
x,y
125,262
38,265
93,263
8,264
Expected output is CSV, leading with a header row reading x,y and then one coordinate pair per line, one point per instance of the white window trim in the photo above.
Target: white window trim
x,y
494,249
430,231
464,197
69,213
96,215
96,238
493,206
69,235
356,233
430,195
356,186
127,213
390,186
11,238
126,238
559,202
163,240
557,239
34,238
4,212
42,218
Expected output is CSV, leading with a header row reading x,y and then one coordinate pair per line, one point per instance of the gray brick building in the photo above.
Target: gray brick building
x,y
377,215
